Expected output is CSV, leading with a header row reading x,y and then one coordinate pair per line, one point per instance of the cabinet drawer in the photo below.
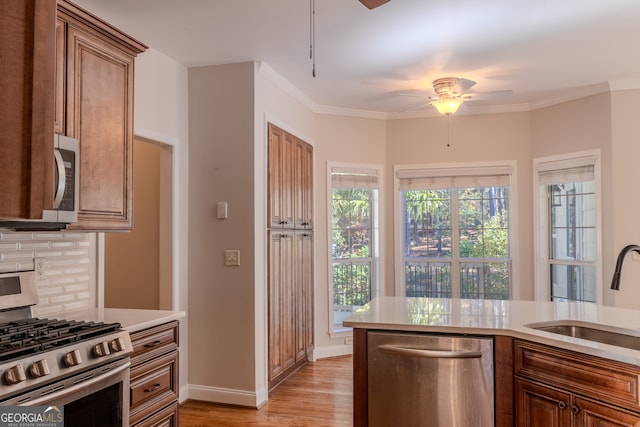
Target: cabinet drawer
x,y
168,417
153,385
155,341
615,382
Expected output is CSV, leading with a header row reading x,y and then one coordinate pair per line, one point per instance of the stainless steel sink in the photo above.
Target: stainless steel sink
x,y
592,332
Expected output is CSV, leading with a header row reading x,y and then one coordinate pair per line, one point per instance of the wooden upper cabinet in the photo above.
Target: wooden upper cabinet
x,y
303,185
290,181
26,113
94,100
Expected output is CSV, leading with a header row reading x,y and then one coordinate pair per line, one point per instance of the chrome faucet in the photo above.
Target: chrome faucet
x,y
615,282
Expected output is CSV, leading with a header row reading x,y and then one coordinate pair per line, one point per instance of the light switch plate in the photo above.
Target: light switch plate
x,y
221,210
232,257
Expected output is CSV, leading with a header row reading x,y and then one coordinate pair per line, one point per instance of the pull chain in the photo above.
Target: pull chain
x,y
312,35
448,130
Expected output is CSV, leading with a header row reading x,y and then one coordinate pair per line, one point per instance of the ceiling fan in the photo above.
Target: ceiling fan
x,y
372,4
452,92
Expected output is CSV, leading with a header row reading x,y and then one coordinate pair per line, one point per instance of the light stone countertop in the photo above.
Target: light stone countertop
x,y
131,319
498,317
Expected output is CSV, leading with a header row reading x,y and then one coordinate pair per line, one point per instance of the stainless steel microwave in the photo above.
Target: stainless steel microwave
x,y
66,153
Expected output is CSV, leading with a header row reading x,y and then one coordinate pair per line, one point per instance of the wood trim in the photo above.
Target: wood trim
x,y
360,378
503,368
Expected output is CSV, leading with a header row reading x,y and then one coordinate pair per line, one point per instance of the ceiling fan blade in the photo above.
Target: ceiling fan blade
x,y
372,4
488,96
463,85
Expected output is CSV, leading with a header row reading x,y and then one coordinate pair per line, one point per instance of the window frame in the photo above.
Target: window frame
x,y
459,170
377,218
542,285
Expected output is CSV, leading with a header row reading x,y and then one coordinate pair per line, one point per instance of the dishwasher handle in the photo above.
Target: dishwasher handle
x,y
429,354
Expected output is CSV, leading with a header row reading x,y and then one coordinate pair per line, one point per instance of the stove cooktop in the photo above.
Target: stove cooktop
x,y
22,338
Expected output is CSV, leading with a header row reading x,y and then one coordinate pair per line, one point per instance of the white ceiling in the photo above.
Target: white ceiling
x,y
545,51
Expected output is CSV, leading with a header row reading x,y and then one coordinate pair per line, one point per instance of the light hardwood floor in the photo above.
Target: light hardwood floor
x,y
320,394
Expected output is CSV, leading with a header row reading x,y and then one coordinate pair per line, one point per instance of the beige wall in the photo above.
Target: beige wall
x,y
625,197
221,163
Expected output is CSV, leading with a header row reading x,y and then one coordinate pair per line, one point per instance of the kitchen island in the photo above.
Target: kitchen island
x,y
522,354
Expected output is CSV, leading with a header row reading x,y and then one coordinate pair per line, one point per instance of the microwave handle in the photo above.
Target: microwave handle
x,y
62,182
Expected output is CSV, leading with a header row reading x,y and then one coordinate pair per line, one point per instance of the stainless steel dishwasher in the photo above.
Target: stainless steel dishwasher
x,y
430,380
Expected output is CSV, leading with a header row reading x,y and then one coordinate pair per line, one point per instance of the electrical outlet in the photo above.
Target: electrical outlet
x,y
232,257
348,341
40,265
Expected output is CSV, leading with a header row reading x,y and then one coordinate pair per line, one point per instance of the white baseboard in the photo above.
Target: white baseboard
x,y
227,396
331,351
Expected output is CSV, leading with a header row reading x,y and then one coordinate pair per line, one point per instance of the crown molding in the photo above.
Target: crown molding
x,y
276,78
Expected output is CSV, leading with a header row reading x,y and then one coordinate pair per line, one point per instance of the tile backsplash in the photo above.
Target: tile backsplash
x,y
66,282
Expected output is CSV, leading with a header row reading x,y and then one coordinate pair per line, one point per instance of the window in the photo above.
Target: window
x,y
353,239
455,227
567,228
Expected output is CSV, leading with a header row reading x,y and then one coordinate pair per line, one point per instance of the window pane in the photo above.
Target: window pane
x,y
351,288
573,282
428,279
484,280
484,223
351,223
427,223
573,221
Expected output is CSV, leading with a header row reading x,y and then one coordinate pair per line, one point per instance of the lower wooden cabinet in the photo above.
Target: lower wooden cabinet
x,y
556,387
154,376
540,405
290,302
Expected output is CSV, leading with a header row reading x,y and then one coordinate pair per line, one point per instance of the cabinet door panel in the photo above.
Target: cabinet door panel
x,y
592,414
282,353
303,185
275,187
541,406
27,48
99,100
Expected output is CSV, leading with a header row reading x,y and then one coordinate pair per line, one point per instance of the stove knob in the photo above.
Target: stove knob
x,y
14,375
72,358
39,369
117,344
101,349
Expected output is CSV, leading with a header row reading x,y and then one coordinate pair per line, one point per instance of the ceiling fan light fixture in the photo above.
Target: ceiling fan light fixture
x,y
447,106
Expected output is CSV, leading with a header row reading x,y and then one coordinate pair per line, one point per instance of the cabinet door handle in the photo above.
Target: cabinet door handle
x,y
575,409
153,388
153,344
562,405
62,183
430,354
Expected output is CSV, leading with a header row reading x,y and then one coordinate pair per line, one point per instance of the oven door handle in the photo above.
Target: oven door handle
x,y
79,386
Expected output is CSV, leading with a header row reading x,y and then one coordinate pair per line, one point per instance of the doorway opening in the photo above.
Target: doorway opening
x,y
138,264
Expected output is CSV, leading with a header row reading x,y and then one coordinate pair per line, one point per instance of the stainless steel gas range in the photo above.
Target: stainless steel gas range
x,y
81,366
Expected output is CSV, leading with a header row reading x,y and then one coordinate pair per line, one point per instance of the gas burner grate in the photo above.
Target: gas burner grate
x,y
22,338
